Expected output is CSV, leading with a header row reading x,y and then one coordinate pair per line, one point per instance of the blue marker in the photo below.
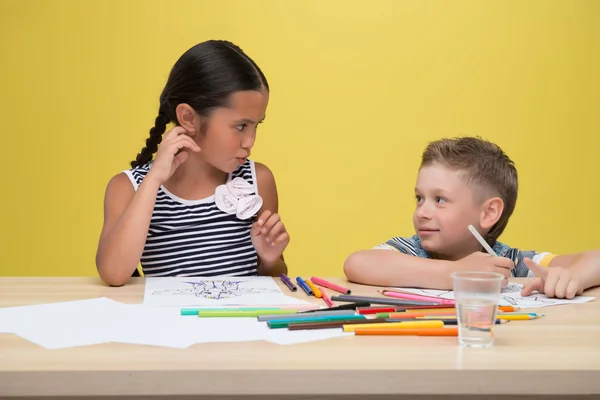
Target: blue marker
x,y
304,286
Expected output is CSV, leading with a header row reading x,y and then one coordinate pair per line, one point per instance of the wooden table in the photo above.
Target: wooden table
x,y
556,355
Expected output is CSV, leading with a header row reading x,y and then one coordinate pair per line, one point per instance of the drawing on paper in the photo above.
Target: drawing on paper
x,y
512,288
216,289
510,295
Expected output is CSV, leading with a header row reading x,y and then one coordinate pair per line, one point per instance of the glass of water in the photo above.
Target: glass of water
x,y
477,295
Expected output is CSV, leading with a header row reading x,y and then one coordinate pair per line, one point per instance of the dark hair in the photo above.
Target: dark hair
x,y
204,77
483,163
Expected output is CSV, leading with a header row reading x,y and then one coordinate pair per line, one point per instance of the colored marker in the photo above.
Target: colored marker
x,y
349,306
380,300
326,299
446,321
518,317
327,318
195,311
415,315
325,311
429,311
376,310
330,324
412,296
304,286
288,282
402,325
406,332
235,313
329,285
314,289
482,241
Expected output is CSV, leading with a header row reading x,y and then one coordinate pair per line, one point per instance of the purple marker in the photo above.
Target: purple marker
x,y
288,282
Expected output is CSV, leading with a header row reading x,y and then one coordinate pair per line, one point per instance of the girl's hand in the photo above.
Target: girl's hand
x,y
269,237
169,155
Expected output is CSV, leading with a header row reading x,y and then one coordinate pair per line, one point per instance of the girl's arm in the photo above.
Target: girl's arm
x,y
127,215
271,262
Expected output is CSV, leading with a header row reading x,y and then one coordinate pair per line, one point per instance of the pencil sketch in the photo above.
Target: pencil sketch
x,y
214,289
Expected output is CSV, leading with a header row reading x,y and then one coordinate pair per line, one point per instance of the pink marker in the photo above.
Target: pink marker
x,y
326,299
409,296
332,286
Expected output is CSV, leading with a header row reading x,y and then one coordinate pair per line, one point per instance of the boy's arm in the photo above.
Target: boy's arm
x,y
585,265
380,267
568,275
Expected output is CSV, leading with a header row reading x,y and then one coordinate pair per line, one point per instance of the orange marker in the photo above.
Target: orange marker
x,y
407,332
315,289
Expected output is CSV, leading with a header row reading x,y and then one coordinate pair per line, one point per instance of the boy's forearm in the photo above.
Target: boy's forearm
x,y
391,268
587,265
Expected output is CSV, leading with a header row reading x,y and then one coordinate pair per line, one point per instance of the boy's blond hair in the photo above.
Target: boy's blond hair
x,y
483,164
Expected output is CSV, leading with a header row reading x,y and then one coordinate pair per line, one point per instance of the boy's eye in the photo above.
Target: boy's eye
x,y
419,198
241,127
440,199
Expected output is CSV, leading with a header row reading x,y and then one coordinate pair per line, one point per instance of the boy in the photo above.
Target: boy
x,y
466,181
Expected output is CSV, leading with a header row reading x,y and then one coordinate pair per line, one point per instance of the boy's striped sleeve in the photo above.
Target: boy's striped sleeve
x,y
403,245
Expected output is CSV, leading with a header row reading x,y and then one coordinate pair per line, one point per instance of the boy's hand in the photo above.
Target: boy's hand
x,y
558,282
480,261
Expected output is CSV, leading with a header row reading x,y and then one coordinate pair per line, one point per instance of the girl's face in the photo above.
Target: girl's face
x,y
231,130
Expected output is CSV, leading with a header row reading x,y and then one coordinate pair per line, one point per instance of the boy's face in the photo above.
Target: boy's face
x,y
446,206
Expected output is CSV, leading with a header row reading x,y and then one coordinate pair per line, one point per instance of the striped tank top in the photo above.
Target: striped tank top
x,y
194,237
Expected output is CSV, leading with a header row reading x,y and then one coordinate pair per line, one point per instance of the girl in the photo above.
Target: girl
x,y
201,207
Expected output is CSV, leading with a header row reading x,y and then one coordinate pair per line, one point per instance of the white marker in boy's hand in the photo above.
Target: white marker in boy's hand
x,y
481,240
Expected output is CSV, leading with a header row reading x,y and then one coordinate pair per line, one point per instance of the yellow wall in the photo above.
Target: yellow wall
x,y
357,92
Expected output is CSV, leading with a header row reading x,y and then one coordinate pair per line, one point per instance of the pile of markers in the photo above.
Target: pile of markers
x,y
397,313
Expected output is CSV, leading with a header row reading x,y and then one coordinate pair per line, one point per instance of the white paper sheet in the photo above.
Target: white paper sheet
x,y
96,321
510,296
61,325
215,292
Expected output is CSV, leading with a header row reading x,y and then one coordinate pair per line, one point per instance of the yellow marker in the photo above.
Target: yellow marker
x,y
315,289
515,317
405,324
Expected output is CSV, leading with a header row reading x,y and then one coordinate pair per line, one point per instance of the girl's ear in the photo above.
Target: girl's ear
x,y
187,118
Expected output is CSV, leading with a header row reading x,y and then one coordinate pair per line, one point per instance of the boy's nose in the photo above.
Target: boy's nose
x,y
424,212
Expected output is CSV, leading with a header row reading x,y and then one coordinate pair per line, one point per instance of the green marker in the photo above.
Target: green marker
x,y
237,313
277,324
195,311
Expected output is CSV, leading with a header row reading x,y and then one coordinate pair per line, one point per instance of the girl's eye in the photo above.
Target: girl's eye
x,y
241,127
440,199
419,198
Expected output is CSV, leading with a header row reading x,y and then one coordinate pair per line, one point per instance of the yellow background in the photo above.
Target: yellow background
x,y
357,92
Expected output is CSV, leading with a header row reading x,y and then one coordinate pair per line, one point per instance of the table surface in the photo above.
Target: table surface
x,y
557,354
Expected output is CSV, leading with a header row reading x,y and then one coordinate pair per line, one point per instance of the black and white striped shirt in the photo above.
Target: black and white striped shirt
x,y
194,237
